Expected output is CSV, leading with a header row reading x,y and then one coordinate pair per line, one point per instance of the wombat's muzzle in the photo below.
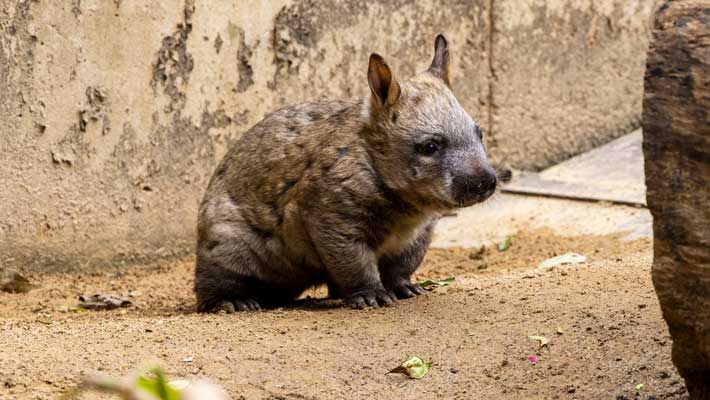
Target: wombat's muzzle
x,y
474,188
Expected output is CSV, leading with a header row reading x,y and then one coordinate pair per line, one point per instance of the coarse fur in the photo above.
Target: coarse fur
x,y
345,193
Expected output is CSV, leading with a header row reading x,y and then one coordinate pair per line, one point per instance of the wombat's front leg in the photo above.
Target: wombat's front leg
x,y
352,268
396,270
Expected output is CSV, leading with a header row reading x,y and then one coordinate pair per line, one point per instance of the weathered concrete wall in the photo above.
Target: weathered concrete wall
x,y
568,75
113,114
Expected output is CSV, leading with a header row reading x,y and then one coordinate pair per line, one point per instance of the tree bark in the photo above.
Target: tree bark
x,y
676,124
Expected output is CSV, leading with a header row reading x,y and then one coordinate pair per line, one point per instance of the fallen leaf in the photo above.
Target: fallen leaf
x,y
77,309
505,244
414,368
639,387
504,174
543,340
150,383
443,282
533,359
103,302
567,258
12,281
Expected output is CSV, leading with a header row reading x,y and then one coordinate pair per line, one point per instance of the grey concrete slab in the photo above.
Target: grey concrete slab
x,y
612,172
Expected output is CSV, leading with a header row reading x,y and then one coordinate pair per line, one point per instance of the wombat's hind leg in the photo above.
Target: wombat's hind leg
x,y
220,288
216,291
224,278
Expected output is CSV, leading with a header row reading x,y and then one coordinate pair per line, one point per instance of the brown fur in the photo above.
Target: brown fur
x,y
339,192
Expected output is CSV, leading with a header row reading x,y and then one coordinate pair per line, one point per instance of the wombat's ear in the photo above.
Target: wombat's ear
x,y
440,65
385,88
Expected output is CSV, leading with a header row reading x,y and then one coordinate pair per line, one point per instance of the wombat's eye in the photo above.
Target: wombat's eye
x,y
427,148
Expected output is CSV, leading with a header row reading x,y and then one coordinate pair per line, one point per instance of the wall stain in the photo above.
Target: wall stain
x,y
294,33
218,42
99,108
76,8
174,64
246,72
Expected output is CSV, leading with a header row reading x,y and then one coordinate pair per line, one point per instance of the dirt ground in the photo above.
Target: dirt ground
x,y
611,334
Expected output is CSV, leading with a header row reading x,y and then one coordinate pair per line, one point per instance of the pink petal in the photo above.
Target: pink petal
x,y
533,359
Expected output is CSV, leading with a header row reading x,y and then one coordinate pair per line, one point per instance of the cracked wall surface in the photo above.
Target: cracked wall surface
x,y
114,114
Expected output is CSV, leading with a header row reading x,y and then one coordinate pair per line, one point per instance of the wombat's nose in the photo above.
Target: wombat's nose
x,y
475,186
487,183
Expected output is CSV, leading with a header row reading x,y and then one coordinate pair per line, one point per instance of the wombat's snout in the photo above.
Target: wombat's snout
x,y
474,188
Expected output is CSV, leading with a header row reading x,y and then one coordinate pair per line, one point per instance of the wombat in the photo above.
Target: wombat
x,y
345,193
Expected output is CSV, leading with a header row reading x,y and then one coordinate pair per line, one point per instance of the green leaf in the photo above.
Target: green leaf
x,y
639,387
414,367
156,384
543,340
78,309
505,244
444,282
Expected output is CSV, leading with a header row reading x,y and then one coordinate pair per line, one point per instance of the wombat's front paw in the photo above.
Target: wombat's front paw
x,y
404,289
231,306
369,297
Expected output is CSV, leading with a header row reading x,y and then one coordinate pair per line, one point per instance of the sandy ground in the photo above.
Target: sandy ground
x,y
602,318
476,331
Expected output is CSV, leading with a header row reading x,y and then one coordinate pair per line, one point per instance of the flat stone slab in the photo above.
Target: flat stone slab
x,y
612,172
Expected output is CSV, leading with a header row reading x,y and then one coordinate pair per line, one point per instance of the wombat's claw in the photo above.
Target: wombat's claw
x,y
373,298
406,290
232,306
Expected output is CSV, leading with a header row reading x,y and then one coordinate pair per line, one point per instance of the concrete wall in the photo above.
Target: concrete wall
x,y
568,75
114,113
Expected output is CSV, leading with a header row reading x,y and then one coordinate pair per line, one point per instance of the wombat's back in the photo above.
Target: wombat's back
x,y
282,158
278,151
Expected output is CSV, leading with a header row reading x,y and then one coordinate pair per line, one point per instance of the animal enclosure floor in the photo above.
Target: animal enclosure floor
x,y
611,335
607,338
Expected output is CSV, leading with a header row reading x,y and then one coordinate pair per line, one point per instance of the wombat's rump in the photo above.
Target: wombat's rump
x,y
339,192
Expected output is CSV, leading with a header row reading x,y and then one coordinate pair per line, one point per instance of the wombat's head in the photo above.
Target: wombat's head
x,y
425,145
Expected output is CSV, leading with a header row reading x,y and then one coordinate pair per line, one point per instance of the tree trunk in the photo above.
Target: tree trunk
x,y
676,124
